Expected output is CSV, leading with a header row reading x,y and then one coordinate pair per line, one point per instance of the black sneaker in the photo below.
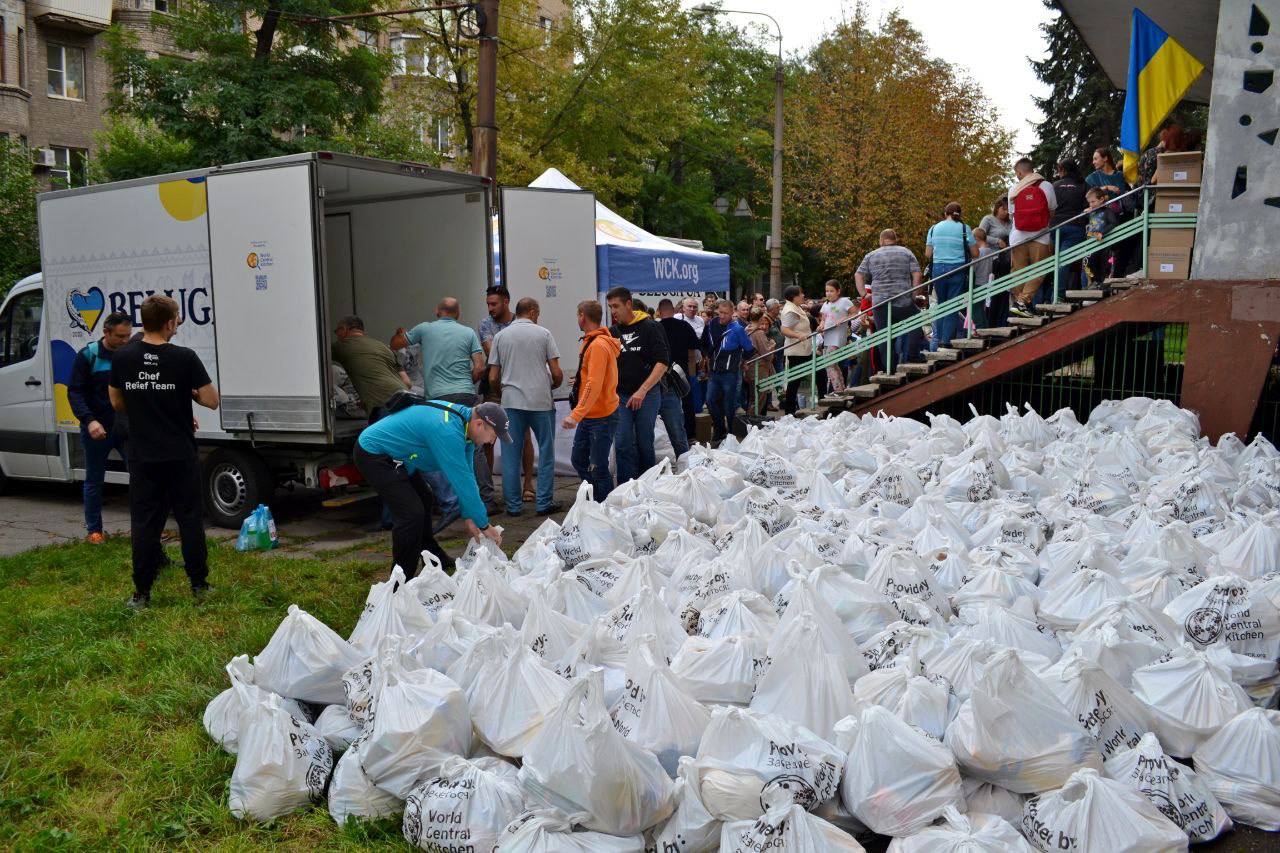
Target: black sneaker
x,y
1017,309
201,593
138,601
551,508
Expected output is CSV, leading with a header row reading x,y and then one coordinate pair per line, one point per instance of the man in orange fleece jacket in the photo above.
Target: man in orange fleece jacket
x,y
595,400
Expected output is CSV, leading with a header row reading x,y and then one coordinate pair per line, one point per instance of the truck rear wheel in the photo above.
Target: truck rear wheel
x,y
235,482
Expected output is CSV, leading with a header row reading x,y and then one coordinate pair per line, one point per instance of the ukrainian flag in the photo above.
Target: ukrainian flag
x,y
1160,72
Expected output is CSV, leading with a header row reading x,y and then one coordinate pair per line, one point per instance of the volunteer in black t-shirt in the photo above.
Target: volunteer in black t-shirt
x,y
155,381
682,342
643,360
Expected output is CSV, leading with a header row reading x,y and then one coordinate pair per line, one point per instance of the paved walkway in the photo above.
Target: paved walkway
x,y
37,514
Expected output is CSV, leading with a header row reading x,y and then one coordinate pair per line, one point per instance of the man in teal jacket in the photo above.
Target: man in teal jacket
x,y
435,437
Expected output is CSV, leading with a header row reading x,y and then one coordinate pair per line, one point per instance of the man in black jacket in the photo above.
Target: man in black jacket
x,y
1069,189
641,364
100,429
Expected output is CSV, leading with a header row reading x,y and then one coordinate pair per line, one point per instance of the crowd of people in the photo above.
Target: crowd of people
x,y
431,459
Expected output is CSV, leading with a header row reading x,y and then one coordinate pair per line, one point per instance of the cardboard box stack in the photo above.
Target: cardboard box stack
x,y
1177,190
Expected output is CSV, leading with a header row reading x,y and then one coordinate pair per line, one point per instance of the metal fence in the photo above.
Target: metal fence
x,y
1129,360
1266,419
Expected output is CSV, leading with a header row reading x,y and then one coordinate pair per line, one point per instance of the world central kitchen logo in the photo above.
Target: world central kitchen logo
x,y
674,269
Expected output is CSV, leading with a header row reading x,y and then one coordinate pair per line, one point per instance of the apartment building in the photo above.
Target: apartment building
x,y
53,77
54,81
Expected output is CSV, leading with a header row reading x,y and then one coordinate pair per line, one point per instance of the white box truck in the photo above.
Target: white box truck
x,y
263,258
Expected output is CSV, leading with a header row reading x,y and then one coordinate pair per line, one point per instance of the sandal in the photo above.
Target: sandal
x,y
528,496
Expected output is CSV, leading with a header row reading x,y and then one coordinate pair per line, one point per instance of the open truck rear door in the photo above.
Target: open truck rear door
x,y
549,252
264,244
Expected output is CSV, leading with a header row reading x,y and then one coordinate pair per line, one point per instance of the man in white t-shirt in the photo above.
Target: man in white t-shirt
x,y
1031,205
689,313
834,315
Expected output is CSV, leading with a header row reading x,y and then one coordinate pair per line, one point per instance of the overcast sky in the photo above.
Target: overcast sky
x,y
991,41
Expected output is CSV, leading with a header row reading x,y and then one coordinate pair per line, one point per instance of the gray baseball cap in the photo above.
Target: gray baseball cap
x,y
496,417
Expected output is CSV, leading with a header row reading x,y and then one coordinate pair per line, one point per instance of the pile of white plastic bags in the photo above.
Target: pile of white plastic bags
x,y
1015,633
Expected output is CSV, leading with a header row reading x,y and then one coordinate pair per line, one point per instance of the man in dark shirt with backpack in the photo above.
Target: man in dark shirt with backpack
x,y
155,381
641,364
100,430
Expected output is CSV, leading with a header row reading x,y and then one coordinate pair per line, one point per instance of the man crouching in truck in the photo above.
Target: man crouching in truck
x,y
428,437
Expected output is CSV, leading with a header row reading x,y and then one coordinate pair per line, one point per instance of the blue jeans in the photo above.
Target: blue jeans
x,y
953,285
519,422
722,400
592,441
95,471
672,413
634,438
906,344
1068,274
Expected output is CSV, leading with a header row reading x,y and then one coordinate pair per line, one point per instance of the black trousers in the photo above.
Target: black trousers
x,y
410,501
789,402
155,490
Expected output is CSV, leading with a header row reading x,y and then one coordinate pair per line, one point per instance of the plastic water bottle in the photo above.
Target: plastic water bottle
x,y
802,400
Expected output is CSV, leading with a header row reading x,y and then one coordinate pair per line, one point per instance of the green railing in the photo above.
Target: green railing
x,y
1141,224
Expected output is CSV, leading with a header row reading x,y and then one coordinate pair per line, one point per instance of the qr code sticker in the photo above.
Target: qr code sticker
x,y
260,282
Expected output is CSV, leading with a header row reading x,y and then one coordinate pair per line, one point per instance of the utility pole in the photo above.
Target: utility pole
x,y
775,238
484,141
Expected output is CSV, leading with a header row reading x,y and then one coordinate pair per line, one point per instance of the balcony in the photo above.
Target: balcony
x,y
86,16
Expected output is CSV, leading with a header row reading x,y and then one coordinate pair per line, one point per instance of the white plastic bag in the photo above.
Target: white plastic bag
x,y
466,807
580,764
745,757
1225,608
547,633
1101,705
738,612
282,765
976,832
655,711
1173,788
789,828
691,828
804,683
484,595
389,610
222,714
897,780
353,794
721,671
550,831
510,697
337,728
1094,814
1191,696
1241,766
432,587
589,531
420,719
1014,733
305,659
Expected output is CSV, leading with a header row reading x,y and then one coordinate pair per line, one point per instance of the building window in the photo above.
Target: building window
x,y
407,50
22,58
20,329
66,71
367,38
158,5
544,22
163,6
69,166
442,135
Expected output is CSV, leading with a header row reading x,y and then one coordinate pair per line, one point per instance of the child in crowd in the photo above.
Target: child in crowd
x,y
982,275
1101,220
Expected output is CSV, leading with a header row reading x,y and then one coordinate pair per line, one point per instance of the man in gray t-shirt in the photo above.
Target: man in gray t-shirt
x,y
525,363
891,272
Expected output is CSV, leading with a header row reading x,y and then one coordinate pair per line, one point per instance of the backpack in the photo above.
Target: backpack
x,y
401,400
1031,208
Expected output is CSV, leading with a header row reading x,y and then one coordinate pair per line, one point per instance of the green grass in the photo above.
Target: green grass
x,y
101,741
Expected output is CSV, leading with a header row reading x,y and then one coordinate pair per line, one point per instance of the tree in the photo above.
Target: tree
x,y
257,78
20,248
881,135
1083,110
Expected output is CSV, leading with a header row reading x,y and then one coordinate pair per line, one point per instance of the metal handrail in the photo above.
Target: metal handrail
x,y
1138,226
925,284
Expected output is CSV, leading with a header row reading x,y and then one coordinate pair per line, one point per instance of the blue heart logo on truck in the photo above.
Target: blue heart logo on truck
x,y
84,309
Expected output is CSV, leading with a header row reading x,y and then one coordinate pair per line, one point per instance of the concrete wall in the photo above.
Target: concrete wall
x,y
1240,197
